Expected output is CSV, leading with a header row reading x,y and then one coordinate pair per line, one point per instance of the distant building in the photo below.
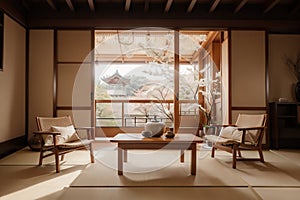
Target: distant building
x,y
116,85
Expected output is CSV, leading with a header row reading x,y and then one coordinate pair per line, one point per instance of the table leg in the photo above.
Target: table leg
x,y
181,155
120,161
194,159
125,155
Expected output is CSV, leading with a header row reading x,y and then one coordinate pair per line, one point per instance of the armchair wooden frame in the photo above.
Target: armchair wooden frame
x,y
62,149
236,147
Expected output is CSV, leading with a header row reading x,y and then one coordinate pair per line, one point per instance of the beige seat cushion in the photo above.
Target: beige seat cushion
x,y
220,140
231,132
75,144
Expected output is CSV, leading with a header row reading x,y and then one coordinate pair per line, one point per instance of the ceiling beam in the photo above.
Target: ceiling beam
x,y
25,4
91,5
127,5
191,6
51,4
147,4
168,5
271,5
214,5
240,6
296,9
70,4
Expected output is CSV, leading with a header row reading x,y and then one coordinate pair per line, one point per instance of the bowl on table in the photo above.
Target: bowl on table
x,y
156,128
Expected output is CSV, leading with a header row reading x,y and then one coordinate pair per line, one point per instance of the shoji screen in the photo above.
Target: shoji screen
x,y
73,75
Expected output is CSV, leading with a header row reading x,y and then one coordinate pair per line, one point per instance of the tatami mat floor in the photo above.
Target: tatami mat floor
x,y
150,175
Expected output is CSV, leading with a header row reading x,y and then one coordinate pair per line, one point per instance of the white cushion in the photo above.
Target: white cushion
x,y
220,140
68,134
234,134
231,132
228,135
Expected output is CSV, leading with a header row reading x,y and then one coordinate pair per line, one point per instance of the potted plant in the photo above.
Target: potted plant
x,y
208,90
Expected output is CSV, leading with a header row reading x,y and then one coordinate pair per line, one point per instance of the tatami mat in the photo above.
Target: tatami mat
x,y
26,156
290,155
23,157
33,182
181,193
274,172
150,174
164,169
271,193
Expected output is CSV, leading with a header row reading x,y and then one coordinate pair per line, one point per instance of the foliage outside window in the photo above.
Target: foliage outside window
x,y
136,92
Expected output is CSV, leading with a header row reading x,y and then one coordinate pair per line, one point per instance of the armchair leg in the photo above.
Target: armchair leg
x,y
239,153
41,157
213,152
234,150
261,156
41,151
92,154
56,160
62,157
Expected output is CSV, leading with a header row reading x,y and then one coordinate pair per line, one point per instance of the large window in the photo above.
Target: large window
x,y
135,74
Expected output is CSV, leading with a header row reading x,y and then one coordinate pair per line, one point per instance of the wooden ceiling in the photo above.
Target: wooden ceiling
x,y
270,14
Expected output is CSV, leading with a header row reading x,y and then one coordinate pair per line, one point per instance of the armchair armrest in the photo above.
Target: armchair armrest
x,y
223,125
226,125
46,133
41,133
250,128
84,128
89,131
245,129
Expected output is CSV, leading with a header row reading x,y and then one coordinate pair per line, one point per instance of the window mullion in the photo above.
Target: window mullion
x,y
176,80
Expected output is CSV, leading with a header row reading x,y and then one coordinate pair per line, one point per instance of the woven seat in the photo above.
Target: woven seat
x,y
74,144
59,137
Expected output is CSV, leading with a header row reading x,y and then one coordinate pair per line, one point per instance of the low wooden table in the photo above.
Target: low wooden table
x,y
180,142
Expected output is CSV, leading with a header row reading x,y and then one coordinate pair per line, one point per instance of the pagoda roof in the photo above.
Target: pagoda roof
x,y
116,79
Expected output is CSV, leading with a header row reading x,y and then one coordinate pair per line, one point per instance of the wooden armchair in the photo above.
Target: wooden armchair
x,y
58,137
247,133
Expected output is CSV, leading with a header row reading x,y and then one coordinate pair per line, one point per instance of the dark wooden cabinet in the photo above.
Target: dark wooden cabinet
x,y
284,125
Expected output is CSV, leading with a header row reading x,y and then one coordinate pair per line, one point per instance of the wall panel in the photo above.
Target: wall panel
x,y
12,81
65,82
81,118
40,76
282,80
248,73
74,75
73,45
248,65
